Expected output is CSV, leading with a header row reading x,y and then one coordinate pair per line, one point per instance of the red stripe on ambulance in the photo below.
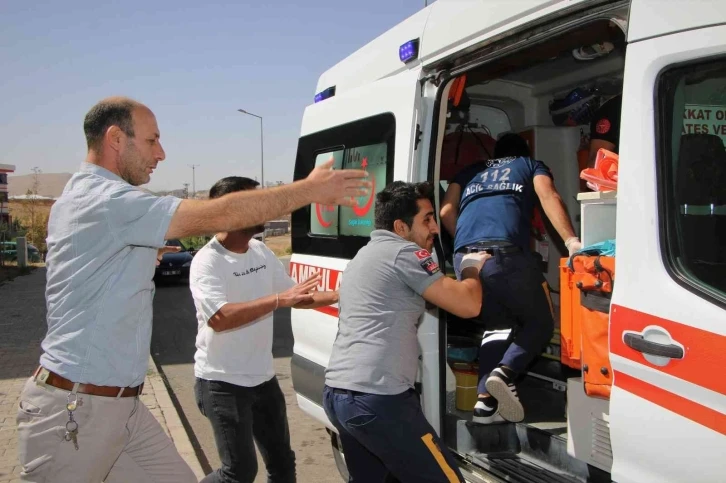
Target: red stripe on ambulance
x,y
330,281
705,352
705,355
697,413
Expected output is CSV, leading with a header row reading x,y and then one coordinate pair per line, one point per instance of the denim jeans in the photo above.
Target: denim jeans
x,y
515,297
240,417
388,439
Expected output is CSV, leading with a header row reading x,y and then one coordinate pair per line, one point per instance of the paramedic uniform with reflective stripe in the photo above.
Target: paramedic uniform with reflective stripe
x,y
369,394
495,212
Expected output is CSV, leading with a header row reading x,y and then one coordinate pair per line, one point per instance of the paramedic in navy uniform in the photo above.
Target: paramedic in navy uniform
x,y
369,391
489,207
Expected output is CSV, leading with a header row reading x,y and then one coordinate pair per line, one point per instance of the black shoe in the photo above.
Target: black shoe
x,y
504,391
483,414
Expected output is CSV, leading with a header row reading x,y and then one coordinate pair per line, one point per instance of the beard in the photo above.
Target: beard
x,y
132,167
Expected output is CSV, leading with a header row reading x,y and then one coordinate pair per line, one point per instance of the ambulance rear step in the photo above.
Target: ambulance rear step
x,y
517,469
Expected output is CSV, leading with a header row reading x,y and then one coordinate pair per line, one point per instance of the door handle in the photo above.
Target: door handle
x,y
637,342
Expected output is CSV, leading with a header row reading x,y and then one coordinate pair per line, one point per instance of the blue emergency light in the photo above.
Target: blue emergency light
x,y
408,51
325,94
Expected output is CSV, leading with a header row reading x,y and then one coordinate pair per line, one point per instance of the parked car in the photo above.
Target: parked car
x,y
9,252
174,266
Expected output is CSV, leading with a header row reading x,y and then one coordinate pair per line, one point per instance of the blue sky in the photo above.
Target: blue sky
x,y
193,63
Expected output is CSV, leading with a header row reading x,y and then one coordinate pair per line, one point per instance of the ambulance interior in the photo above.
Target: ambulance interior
x,y
547,93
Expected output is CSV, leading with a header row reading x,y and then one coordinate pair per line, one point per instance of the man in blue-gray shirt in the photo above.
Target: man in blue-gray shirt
x,y
488,207
79,416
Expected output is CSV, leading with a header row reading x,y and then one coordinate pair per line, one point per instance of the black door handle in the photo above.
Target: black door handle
x,y
638,343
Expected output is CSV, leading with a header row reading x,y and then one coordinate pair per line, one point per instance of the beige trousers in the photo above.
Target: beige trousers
x,y
119,440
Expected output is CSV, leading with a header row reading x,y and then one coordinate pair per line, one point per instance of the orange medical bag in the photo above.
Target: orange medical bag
x,y
596,370
570,318
585,292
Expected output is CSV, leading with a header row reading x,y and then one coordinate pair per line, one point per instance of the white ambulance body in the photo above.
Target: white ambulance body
x,y
386,108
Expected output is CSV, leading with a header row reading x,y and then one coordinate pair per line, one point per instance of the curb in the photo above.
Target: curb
x,y
174,426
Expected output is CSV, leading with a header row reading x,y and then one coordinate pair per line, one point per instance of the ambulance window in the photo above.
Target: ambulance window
x,y
340,231
493,119
692,171
356,220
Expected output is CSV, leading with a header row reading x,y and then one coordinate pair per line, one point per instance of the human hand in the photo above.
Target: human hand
x,y
337,186
160,253
300,293
476,260
573,245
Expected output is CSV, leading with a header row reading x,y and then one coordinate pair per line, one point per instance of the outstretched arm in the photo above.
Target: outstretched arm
x,y
253,207
233,315
460,298
320,299
554,208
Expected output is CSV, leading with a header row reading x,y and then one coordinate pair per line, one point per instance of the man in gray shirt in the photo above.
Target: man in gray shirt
x,y
79,416
369,383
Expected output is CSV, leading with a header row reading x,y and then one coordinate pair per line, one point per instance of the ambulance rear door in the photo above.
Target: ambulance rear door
x,y
668,312
371,127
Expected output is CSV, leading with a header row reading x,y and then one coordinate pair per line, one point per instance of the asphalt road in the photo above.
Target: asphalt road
x,y
172,345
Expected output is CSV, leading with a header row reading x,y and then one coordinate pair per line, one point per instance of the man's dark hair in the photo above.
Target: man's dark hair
x,y
231,184
107,113
511,145
398,200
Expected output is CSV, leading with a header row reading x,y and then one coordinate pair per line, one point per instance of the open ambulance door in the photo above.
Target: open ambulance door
x,y
668,312
366,127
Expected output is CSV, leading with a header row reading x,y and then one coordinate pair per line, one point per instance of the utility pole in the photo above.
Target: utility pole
x,y
194,182
262,145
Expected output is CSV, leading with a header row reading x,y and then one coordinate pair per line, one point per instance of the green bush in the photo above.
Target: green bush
x,y
195,242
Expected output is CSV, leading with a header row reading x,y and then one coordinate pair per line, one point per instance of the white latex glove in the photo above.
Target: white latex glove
x,y
573,245
475,260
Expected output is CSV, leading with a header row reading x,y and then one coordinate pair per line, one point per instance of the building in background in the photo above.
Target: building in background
x,y
277,227
5,169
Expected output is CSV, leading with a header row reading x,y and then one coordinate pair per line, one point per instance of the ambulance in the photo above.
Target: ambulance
x,y
633,390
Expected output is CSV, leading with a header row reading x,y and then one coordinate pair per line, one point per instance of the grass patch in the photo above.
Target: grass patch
x,y
280,245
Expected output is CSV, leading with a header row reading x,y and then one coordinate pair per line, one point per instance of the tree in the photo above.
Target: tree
x,y
31,204
36,218
4,234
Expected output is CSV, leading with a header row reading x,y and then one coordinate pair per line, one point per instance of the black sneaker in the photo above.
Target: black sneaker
x,y
484,414
504,391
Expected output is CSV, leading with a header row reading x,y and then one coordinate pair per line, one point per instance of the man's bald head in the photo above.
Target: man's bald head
x,y
112,111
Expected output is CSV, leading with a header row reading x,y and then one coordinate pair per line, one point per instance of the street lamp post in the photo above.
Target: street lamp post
x,y
262,154
194,180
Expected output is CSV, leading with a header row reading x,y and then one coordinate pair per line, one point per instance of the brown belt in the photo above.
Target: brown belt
x,y
53,379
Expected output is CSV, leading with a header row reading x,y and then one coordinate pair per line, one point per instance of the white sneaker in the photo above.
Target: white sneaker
x,y
589,52
505,392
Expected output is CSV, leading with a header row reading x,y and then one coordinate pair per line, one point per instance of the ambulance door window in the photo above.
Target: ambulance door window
x,y
367,144
692,172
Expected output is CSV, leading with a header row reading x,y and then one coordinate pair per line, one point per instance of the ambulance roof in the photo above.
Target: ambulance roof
x,y
444,28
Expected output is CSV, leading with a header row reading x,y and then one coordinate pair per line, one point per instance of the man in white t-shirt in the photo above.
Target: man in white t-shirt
x,y
237,283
